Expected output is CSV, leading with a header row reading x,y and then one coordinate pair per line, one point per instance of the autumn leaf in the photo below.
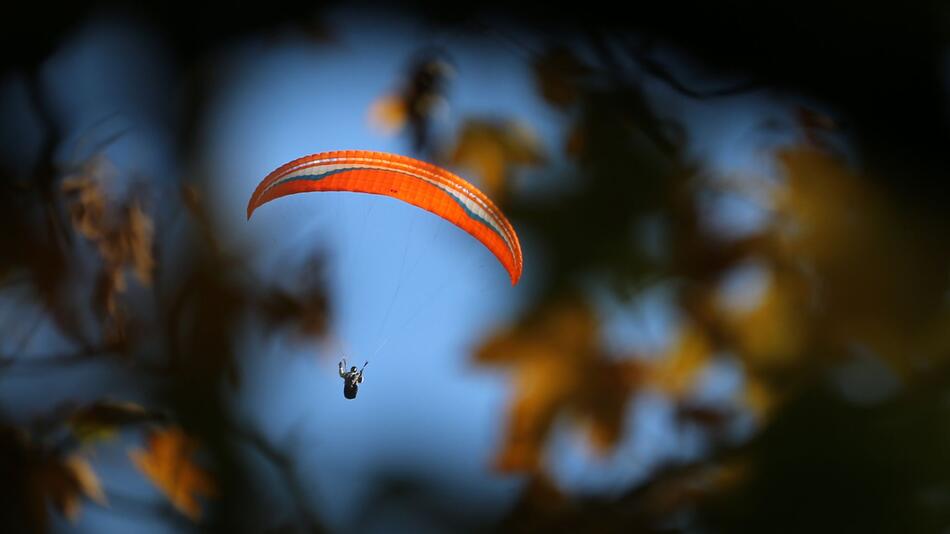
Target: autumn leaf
x,y
675,372
560,369
138,235
86,479
87,209
775,332
123,236
492,149
388,113
167,462
876,273
128,243
64,481
88,205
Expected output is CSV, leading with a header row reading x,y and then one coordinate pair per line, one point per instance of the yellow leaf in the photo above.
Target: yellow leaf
x,y
560,369
777,331
388,114
676,371
167,462
491,149
877,270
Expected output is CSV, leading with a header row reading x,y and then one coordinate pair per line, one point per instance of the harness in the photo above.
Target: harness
x,y
351,384
351,380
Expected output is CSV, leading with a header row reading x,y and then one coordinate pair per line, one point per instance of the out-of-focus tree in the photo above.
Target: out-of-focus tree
x,y
853,255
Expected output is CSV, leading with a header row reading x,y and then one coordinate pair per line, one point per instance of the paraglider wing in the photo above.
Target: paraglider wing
x,y
415,182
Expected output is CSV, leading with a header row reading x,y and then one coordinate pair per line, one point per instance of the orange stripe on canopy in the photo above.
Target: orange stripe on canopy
x,y
415,182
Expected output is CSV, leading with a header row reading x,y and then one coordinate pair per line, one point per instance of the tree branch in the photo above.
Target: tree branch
x,y
662,73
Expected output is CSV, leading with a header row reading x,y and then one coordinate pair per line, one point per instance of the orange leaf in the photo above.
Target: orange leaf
x,y
167,462
63,481
388,114
86,479
138,235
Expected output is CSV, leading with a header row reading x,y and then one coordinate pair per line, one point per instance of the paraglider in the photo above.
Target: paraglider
x,y
351,379
415,182
412,181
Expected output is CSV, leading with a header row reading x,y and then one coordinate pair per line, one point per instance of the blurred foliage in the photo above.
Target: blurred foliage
x,y
418,100
560,368
123,238
167,462
853,252
493,151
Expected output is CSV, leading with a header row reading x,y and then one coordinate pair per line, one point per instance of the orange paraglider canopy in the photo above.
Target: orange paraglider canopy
x,y
418,183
